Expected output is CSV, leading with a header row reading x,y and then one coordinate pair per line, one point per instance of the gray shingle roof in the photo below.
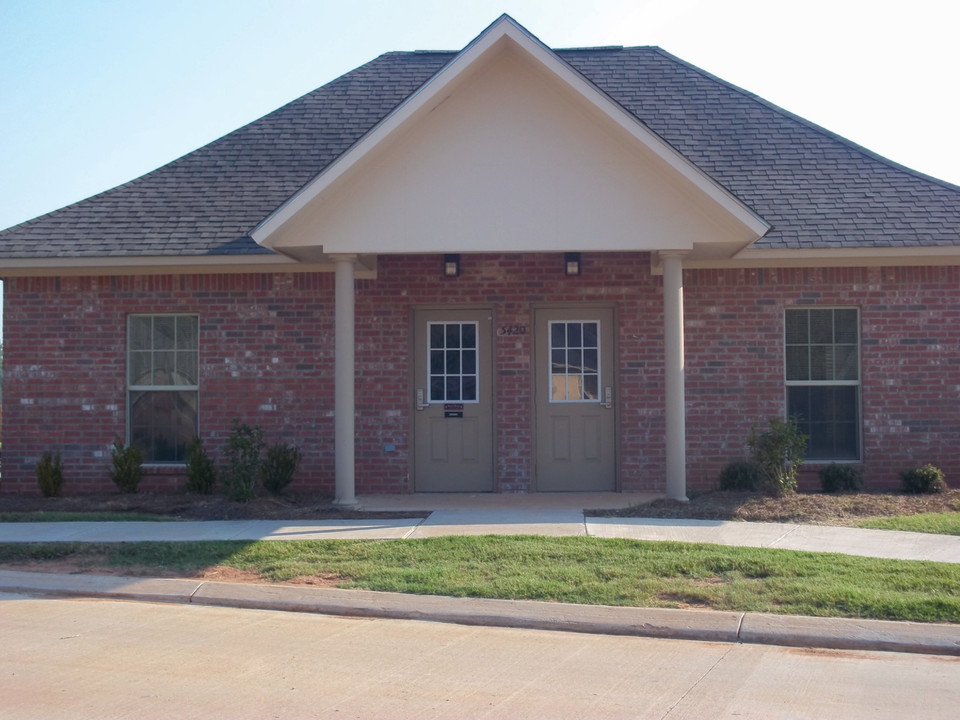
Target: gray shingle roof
x,y
816,189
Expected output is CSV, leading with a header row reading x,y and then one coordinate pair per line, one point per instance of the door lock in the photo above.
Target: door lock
x,y
420,404
607,398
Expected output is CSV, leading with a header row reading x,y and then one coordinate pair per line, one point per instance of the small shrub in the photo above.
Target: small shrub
x,y
50,474
201,472
923,479
743,475
841,478
779,452
127,467
279,467
242,454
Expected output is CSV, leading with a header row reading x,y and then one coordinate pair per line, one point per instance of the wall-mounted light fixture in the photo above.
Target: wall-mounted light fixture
x,y
571,263
451,265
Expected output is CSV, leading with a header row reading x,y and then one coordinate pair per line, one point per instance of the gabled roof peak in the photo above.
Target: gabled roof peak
x,y
486,45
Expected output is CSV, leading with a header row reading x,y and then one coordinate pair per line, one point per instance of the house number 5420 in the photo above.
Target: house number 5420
x,y
512,330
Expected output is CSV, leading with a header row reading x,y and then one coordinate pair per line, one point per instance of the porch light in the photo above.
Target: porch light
x,y
451,265
571,263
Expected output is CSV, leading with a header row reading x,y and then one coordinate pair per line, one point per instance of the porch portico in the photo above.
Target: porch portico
x,y
509,150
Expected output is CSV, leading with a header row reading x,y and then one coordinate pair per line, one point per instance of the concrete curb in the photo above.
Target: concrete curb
x,y
755,628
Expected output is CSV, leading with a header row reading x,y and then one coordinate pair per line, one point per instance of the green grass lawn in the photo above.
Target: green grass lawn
x,y
569,569
947,523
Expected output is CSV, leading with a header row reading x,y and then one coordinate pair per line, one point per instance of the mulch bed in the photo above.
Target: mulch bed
x,y
838,509
714,505
290,506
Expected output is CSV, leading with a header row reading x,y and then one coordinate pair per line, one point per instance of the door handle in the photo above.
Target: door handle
x,y
420,404
607,398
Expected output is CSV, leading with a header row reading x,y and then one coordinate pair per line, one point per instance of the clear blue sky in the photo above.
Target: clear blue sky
x,y
96,92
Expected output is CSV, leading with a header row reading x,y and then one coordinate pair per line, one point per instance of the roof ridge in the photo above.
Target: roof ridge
x,y
804,121
588,48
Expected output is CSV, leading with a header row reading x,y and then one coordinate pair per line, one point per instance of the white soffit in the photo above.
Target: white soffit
x,y
700,213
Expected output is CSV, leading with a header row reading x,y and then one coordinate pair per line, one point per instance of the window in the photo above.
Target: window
x,y
162,384
823,380
453,361
574,361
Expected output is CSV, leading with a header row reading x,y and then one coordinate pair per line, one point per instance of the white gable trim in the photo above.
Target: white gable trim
x,y
507,28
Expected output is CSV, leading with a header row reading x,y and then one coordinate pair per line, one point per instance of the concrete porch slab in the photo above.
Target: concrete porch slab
x,y
505,501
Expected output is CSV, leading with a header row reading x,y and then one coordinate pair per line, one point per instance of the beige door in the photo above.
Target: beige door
x,y
453,413
575,417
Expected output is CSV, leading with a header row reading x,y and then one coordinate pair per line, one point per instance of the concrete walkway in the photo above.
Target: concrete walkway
x,y
555,516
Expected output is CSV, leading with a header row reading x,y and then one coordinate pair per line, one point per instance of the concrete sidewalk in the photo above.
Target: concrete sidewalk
x,y
550,521
711,626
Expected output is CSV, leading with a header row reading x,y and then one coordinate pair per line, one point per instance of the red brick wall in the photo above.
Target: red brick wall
x,y
910,362
267,359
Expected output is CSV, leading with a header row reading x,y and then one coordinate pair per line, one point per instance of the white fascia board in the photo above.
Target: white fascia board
x,y
507,27
169,265
833,257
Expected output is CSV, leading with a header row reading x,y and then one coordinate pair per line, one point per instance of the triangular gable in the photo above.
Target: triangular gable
x,y
508,148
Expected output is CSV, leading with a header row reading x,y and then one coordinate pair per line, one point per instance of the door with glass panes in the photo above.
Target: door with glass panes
x,y
574,396
453,413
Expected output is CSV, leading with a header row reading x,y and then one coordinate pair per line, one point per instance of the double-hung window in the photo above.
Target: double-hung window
x,y
162,385
823,379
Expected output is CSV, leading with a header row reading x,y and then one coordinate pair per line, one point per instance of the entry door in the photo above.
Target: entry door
x,y
574,376
453,413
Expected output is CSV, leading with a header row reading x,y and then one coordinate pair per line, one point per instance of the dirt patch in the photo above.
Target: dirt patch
x,y
223,573
290,506
215,573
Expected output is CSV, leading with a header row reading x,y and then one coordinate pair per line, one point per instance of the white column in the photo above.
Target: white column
x,y
676,432
344,409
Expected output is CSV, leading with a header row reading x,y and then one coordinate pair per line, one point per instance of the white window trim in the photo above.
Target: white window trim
x,y
567,401
461,323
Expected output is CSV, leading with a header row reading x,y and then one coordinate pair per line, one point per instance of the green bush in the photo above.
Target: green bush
x,y
923,479
243,459
201,472
779,452
127,467
279,467
50,474
841,478
743,475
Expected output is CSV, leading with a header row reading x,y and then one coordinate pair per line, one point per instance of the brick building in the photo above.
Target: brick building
x,y
509,269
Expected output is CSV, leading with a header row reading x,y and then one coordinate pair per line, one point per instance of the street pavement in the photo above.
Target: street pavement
x,y
69,658
552,515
